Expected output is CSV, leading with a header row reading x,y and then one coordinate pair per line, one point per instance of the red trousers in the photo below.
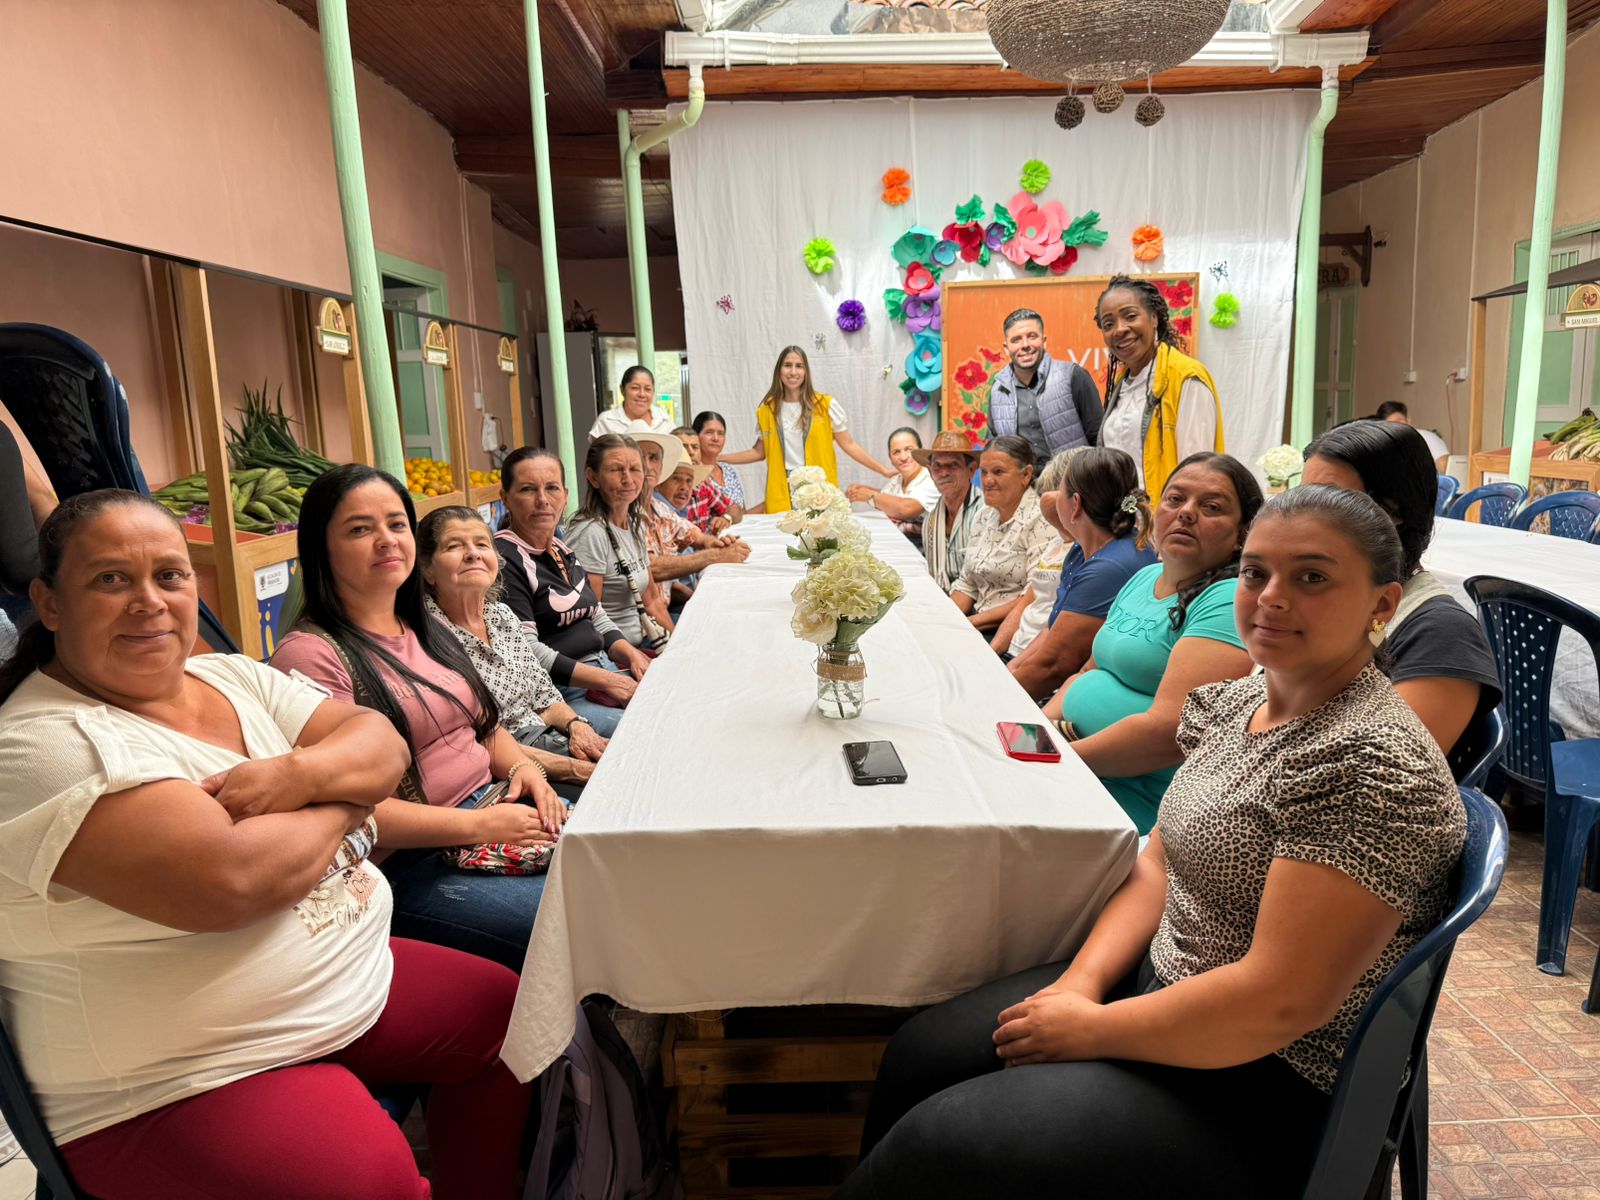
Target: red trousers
x,y
314,1132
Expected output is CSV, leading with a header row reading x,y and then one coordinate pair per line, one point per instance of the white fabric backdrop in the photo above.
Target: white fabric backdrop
x,y
752,183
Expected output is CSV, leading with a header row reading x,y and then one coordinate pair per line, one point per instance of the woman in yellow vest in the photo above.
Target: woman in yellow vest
x,y
1162,405
798,427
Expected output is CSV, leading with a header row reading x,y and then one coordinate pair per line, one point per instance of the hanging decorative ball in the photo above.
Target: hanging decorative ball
x,y
1069,112
1108,97
1101,39
1150,111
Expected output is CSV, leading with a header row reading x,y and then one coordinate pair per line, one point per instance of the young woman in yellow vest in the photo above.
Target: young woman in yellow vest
x,y
1161,405
798,427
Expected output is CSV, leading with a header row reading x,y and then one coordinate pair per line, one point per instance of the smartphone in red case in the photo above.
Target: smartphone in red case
x,y
1027,742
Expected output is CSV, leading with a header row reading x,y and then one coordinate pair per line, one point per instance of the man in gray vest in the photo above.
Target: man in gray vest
x,y
1053,405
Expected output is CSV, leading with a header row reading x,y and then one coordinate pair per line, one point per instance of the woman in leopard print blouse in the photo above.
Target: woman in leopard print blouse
x,y
1301,850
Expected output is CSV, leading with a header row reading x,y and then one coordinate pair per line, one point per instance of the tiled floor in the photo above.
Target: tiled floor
x,y
1514,1062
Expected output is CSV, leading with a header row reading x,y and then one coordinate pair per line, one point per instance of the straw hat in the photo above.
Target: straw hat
x,y
949,441
673,455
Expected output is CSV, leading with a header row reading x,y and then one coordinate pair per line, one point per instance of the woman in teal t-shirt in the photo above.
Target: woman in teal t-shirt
x,y
1169,630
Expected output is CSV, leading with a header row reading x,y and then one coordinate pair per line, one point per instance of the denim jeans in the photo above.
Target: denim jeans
x,y
603,718
472,911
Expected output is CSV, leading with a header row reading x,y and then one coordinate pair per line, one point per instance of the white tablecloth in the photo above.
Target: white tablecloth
x,y
1568,568
722,857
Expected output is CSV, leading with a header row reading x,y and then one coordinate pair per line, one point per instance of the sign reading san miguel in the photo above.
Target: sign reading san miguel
x,y
435,350
1583,310
507,356
333,331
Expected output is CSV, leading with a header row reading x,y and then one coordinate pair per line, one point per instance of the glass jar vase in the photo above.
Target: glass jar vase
x,y
841,682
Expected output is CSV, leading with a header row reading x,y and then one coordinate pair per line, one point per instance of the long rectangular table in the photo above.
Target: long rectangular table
x,y
722,858
1569,569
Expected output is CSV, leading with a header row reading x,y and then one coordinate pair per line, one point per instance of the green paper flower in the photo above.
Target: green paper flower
x,y
1225,314
1006,222
894,299
915,245
983,255
820,255
1035,177
971,211
1034,268
1083,231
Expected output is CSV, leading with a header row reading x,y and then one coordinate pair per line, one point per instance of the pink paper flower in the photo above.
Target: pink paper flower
x,y
918,279
1038,236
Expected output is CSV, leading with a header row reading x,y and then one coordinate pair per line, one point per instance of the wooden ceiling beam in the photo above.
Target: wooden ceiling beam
x,y
595,156
1400,19
1454,60
1335,15
1375,148
602,48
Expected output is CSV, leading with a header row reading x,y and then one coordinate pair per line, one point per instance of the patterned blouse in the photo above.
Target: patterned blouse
x,y
731,485
1358,785
999,556
510,669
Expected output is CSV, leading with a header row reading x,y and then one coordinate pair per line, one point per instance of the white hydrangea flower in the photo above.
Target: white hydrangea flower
x,y
1281,463
818,497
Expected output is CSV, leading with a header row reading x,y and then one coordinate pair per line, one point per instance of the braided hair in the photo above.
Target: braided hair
x,y
1152,301
1250,499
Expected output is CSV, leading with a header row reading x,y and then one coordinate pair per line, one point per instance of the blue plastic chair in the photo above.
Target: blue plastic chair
x,y
1449,485
1524,624
1479,750
1572,514
1498,501
1378,1109
74,413
1594,534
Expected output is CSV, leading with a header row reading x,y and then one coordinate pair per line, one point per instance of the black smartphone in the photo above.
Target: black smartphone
x,y
874,762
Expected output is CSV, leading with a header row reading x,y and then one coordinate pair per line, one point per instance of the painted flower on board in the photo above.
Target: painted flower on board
x,y
971,374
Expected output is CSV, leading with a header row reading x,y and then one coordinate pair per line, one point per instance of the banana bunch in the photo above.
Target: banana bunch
x,y
262,498
1578,439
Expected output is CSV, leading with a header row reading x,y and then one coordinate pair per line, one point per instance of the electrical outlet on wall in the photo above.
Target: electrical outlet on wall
x,y
1409,377
1459,375
477,400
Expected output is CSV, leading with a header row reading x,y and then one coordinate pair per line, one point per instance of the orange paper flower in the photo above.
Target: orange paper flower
x,y
896,186
1148,244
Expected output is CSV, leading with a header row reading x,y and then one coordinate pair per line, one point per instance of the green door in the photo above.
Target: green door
x,y
1567,375
1334,390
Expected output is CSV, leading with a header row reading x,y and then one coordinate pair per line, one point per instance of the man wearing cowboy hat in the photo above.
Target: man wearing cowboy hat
x,y
677,548
952,461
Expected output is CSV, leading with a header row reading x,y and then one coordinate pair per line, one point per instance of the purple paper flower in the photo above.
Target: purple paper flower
x,y
917,401
923,312
852,316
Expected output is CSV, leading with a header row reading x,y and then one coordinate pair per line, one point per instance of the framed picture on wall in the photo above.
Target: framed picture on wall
x,y
974,344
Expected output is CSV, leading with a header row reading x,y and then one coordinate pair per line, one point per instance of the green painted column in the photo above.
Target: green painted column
x,y
1302,394
388,450
1526,410
554,322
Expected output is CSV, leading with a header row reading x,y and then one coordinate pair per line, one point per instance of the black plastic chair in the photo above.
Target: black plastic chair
x,y
1479,750
1379,1104
19,548
1524,625
74,413
1449,485
1497,502
1571,514
21,1112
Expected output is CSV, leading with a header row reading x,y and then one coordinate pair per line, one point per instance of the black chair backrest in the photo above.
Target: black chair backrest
x,y
1372,1096
1524,624
19,547
1479,749
22,1115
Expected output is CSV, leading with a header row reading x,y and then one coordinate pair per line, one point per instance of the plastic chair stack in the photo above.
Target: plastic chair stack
x,y
1449,485
1524,624
1496,501
1573,515
1379,1104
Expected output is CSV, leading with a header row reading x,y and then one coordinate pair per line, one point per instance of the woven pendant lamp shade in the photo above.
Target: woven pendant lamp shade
x,y
1101,41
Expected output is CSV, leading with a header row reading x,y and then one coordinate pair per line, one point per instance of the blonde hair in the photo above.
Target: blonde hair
x,y
1056,470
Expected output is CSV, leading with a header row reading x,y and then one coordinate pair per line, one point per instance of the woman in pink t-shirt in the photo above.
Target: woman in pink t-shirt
x,y
365,636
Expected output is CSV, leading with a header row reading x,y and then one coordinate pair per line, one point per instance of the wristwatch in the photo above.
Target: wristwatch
x,y
567,732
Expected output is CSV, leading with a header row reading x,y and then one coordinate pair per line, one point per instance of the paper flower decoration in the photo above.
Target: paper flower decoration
x,y
725,303
969,212
923,312
820,255
925,363
1038,236
918,279
1035,177
1225,310
969,238
945,250
1177,295
1001,230
896,186
894,299
1083,231
852,315
915,245
1148,243
1065,263
917,401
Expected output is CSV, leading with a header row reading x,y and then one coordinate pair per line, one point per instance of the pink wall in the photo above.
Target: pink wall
x,y
209,139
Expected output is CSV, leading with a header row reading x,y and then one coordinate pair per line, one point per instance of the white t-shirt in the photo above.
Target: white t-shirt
x,y
1044,579
1123,426
790,413
1436,446
114,1015
922,489
614,420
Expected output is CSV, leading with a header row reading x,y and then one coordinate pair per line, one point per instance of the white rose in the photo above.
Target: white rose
x,y
813,625
793,521
801,476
